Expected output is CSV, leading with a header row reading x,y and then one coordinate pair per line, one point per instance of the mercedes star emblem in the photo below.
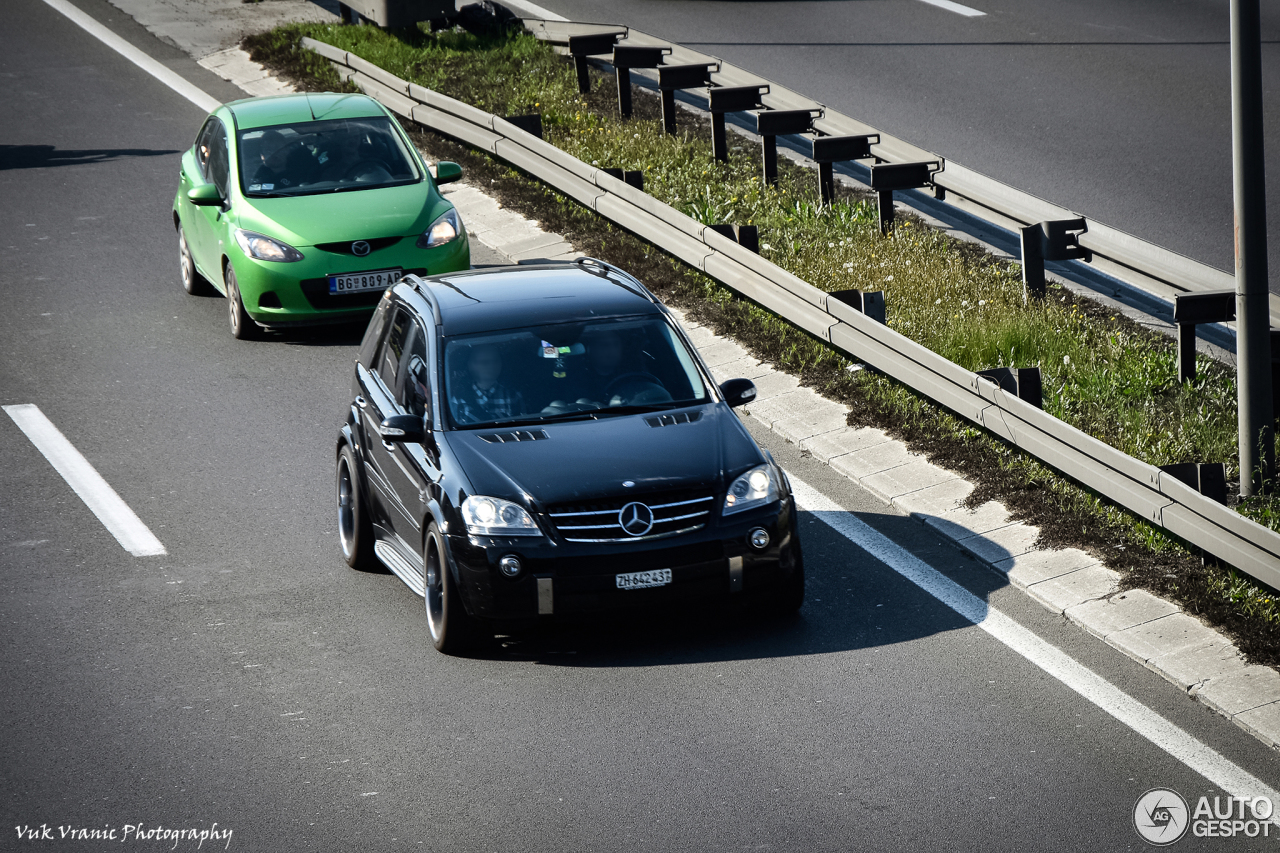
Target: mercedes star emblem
x,y
360,248
636,518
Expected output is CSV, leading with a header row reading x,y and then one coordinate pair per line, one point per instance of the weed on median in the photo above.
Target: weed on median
x,y
1102,373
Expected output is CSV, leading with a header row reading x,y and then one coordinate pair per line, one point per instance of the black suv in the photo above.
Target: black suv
x,y
539,440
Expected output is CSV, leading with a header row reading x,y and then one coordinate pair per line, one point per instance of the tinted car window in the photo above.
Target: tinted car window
x,y
388,364
555,371
373,334
218,167
323,156
204,144
414,395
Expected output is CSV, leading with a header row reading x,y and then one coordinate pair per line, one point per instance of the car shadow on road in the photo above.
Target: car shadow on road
x,y
852,601
44,156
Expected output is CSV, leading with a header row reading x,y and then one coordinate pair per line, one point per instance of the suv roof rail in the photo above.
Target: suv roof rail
x,y
416,282
628,280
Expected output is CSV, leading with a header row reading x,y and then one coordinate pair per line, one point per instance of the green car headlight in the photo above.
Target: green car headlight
x,y
446,229
756,487
260,247
485,516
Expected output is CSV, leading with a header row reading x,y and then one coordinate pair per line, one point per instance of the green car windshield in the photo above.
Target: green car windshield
x,y
323,156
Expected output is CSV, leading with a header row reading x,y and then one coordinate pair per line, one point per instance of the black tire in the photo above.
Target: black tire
x,y
242,326
192,282
453,631
355,532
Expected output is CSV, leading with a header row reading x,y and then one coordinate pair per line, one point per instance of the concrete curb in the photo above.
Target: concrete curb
x,y
1152,631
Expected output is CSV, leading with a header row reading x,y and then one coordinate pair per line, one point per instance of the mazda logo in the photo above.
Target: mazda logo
x,y
636,518
360,248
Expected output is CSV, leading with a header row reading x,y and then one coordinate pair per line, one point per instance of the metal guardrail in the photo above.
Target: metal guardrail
x,y
1135,485
1157,270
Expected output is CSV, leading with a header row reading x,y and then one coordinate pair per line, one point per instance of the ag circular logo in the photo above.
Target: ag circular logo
x,y
1160,816
360,248
635,518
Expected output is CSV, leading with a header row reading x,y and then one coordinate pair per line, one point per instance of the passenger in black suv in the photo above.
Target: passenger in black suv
x,y
644,492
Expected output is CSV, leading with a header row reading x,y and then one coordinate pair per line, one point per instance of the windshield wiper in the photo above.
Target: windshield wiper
x,y
637,408
585,414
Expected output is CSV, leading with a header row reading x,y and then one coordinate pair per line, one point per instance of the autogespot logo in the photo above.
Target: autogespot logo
x,y
1160,816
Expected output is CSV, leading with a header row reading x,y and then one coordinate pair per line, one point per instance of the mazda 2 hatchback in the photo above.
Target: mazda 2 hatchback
x,y
304,208
528,442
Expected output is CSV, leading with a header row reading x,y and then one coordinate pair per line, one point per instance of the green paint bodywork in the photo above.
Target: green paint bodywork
x,y
272,291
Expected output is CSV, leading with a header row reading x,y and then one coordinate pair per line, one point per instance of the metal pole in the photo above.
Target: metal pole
x,y
1253,345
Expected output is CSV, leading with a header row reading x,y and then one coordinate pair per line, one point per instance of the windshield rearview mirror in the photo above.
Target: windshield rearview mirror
x,y
204,195
738,392
447,172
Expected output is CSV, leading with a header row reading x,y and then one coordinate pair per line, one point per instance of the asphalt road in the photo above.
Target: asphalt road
x,y
249,679
1119,111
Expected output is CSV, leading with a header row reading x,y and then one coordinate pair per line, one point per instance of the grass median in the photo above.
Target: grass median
x,y
1101,373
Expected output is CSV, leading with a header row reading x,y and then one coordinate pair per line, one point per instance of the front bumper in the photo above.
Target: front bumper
x,y
713,564
287,294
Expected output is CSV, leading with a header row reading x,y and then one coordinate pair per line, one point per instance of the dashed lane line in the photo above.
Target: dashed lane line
x,y
97,494
188,90
1196,755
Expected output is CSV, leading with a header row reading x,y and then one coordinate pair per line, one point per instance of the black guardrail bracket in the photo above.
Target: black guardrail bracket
x,y
591,44
746,236
730,99
1022,382
628,177
829,150
626,57
869,302
1192,309
529,123
887,177
770,124
674,77
1053,240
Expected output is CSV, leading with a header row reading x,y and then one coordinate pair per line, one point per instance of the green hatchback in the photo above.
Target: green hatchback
x,y
303,209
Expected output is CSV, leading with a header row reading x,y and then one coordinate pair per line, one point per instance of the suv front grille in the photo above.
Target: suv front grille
x,y
602,521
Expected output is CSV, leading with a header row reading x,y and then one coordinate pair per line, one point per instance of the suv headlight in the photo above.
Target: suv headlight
x,y
446,228
263,248
756,487
485,516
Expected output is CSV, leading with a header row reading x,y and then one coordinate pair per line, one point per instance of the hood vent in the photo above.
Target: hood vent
x,y
672,420
518,435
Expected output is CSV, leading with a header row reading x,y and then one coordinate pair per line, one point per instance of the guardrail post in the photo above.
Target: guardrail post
x,y
633,178
1022,382
887,177
729,99
594,44
746,236
1207,478
529,123
770,124
870,302
626,57
1275,374
673,77
1192,309
1053,240
829,150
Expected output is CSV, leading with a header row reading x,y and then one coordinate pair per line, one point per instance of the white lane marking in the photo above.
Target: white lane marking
x,y
1223,773
190,91
97,494
535,10
955,7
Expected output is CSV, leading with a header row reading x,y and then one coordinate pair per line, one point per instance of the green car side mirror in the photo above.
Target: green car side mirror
x,y
447,172
204,195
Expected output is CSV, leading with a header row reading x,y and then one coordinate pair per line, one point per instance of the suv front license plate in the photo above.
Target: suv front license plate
x,y
643,580
359,281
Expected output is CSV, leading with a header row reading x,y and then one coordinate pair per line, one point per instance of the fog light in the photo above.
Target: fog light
x,y
509,566
759,538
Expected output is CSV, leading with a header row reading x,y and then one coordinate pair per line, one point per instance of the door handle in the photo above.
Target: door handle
x,y
361,402
389,446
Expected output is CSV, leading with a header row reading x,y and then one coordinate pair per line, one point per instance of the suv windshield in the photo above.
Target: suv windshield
x,y
569,370
323,156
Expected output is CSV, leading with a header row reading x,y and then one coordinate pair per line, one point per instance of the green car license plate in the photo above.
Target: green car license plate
x,y
357,282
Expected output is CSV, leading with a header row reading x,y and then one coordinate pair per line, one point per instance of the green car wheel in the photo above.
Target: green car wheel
x,y
192,282
242,327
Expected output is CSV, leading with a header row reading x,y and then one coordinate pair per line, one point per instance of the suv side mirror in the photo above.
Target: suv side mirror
x,y
447,172
402,429
738,392
204,195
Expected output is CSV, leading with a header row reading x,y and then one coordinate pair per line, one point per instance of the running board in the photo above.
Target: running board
x,y
395,561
